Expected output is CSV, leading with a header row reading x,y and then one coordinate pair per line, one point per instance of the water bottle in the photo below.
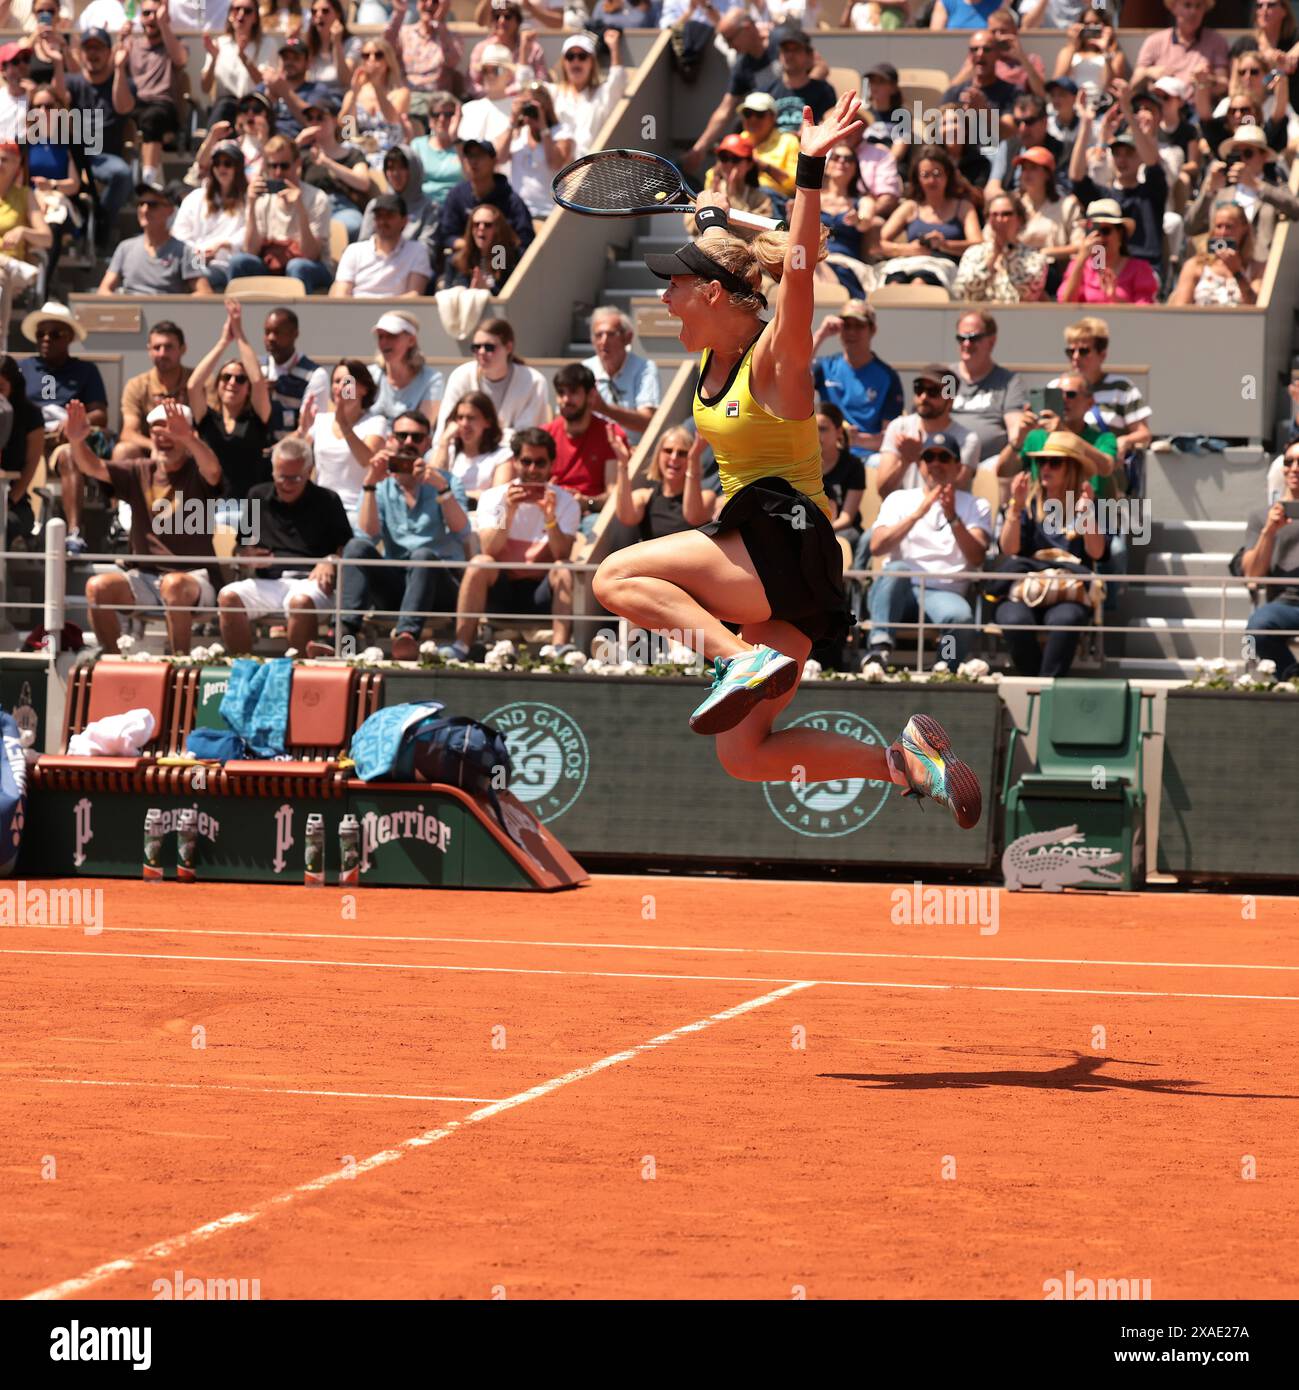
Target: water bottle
x,y
186,845
314,874
152,870
349,852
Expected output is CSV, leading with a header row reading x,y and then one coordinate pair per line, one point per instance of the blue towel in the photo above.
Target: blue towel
x,y
384,746
256,704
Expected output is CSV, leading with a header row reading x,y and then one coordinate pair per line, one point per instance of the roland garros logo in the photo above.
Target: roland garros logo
x,y
548,753
826,810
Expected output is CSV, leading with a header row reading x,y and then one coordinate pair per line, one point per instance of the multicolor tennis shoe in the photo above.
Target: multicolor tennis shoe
x,y
921,761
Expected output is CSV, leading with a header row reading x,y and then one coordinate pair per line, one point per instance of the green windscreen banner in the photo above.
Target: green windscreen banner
x,y
611,766
1230,803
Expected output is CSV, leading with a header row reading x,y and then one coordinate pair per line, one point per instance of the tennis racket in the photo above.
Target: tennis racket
x,y
631,183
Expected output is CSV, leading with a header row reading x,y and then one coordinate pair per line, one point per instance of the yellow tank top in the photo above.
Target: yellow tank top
x,y
751,443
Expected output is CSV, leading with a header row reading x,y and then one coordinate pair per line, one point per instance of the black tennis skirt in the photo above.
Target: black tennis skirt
x,y
795,552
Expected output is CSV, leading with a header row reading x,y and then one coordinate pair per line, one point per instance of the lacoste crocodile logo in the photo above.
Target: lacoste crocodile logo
x,y
1041,861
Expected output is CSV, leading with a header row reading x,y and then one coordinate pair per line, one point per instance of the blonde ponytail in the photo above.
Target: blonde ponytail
x,y
751,260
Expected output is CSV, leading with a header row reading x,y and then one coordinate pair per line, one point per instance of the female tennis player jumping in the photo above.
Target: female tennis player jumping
x,y
770,562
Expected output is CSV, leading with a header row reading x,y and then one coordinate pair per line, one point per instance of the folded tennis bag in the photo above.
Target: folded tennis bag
x,y
13,794
414,743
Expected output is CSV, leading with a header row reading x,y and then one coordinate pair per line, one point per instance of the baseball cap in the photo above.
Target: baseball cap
x,y
260,98
945,443
322,99
935,371
738,145
583,41
1124,137
498,56
758,101
1038,154
11,50
393,322
389,202
1065,84
1173,87
468,147
158,415
884,70
292,45
156,194
790,33
230,148
857,309
97,35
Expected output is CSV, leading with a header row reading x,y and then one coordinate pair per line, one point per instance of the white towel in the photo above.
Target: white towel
x,y
117,736
460,310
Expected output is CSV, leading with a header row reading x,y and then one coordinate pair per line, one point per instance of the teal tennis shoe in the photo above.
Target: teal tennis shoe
x,y
739,684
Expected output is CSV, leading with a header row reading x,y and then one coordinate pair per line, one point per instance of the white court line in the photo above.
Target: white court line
x,y
250,1090
165,1249
705,950
645,975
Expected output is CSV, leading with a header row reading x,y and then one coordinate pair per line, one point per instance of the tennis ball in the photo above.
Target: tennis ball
x,y
660,197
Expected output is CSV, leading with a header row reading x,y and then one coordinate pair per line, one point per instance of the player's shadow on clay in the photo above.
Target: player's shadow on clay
x,y
1081,1074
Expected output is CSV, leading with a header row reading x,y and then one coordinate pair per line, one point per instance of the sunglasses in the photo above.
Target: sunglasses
x,y
411,435
934,456
444,115
478,224
970,337
1050,462
1028,120
840,159
1291,463
373,53
675,453
486,347
1104,228
728,158
237,377
225,162
981,52
927,388
577,57
277,164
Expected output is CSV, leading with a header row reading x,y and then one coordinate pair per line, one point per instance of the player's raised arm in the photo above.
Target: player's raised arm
x,y
789,344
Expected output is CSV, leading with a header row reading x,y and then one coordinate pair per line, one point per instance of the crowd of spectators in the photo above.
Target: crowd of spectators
x,y
413,159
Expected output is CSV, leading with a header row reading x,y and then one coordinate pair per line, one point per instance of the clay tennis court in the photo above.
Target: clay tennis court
x,y
599,1094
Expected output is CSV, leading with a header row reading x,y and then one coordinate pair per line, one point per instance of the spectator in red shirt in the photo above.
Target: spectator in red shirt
x,y
585,460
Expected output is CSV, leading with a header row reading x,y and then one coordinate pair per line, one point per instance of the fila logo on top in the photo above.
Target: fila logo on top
x,y
732,410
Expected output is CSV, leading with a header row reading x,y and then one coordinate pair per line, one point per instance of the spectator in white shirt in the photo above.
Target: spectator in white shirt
x,y
235,60
533,148
516,390
386,265
344,439
584,97
526,519
211,219
938,530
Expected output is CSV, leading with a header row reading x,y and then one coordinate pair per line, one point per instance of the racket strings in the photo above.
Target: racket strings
x,y
608,185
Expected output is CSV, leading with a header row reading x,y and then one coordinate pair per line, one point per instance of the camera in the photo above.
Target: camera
x,y
403,460
276,185
532,111
1091,31
1221,243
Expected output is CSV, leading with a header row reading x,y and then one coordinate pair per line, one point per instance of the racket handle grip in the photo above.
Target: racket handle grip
x,y
739,218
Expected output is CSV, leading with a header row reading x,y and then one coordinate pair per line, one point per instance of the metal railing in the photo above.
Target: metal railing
x,y
56,602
